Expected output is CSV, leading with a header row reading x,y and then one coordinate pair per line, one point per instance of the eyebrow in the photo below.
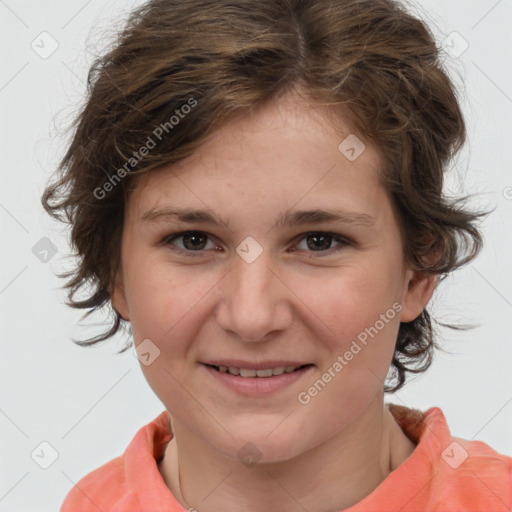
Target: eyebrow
x,y
286,219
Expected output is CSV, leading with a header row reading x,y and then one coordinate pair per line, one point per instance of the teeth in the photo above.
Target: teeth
x,y
233,371
247,372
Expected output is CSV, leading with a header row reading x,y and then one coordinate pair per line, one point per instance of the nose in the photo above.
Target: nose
x,y
254,300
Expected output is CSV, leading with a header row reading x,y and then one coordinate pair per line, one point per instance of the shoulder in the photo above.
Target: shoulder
x,y
450,473
102,489
476,476
130,482
468,474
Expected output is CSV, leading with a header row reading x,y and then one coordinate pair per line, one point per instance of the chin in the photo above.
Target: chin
x,y
265,447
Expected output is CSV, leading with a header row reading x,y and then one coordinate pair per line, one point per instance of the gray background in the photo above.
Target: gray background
x,y
89,403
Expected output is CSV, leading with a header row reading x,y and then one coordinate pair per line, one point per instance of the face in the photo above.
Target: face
x,y
251,280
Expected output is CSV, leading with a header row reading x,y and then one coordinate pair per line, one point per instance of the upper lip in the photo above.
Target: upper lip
x,y
251,365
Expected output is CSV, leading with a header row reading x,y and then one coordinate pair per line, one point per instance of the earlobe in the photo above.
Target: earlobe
x,y
420,288
118,299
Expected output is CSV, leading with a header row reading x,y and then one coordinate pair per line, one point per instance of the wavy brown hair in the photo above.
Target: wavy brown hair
x,y
371,58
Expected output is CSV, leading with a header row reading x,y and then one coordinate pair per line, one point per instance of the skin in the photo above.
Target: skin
x,y
292,302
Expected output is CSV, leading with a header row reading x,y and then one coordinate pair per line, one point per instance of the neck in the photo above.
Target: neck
x,y
331,477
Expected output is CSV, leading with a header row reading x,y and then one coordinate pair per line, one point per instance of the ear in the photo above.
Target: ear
x,y
419,288
118,297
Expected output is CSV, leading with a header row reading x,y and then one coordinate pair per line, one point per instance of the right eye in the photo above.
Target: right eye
x,y
191,241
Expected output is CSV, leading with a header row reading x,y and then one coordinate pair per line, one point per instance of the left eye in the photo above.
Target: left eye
x,y
320,242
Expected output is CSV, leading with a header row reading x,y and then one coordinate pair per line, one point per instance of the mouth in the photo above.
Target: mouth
x,y
265,381
260,373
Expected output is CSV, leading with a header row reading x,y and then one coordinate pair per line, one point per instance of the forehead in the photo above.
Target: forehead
x,y
284,153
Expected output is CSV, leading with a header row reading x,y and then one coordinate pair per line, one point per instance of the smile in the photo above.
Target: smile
x,y
248,372
251,382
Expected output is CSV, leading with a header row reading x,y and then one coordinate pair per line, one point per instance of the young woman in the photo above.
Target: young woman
x,y
256,189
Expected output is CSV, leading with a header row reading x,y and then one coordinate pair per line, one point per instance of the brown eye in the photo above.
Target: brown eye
x,y
191,241
194,241
322,242
319,241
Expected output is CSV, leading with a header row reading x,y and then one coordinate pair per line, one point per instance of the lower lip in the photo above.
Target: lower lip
x,y
258,386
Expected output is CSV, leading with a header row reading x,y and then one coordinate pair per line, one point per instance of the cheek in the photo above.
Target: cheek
x,y
164,305
159,298
353,299
357,307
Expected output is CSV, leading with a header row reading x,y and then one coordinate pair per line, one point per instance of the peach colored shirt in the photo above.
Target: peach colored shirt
x,y
444,473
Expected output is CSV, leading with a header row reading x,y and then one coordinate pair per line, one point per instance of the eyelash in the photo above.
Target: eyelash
x,y
344,242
